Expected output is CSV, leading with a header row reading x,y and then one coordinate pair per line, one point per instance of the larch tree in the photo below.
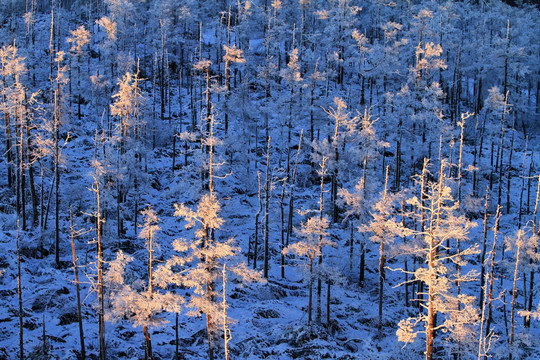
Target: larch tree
x,y
384,229
356,202
199,265
523,246
130,140
97,188
233,55
342,142
73,235
12,67
139,301
19,108
60,81
80,37
441,223
314,236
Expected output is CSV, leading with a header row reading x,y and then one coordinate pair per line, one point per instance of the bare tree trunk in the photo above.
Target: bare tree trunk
x,y
420,290
483,254
209,333
291,206
266,211
351,246
9,142
176,338
162,73
382,262
492,272
531,277
514,291
430,325
406,265
22,170
147,344
508,173
99,232
256,237
328,298
77,286
321,208
19,294
310,290
361,276
460,165
57,163
30,163
226,331
431,320
522,191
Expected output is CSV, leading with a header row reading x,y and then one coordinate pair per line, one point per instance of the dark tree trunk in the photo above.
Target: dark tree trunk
x,y
77,286
147,344
19,295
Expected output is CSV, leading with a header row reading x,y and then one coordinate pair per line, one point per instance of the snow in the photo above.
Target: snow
x,y
268,317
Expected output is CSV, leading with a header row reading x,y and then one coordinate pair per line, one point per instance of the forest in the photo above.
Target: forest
x,y
269,179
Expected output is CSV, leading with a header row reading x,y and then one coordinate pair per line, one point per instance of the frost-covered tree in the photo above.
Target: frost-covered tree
x,y
19,109
364,149
341,143
129,138
199,264
233,55
96,188
314,236
58,115
80,37
441,223
523,246
384,229
137,300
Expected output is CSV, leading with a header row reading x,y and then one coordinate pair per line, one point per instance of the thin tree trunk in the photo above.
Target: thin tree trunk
x,y
514,291
431,320
291,205
460,165
328,301
30,162
19,294
57,165
266,211
99,232
282,230
147,344
522,191
382,262
351,246
492,272
361,276
226,331
508,173
321,208
22,177
256,237
77,286
483,254
531,277
176,339
406,265
310,290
